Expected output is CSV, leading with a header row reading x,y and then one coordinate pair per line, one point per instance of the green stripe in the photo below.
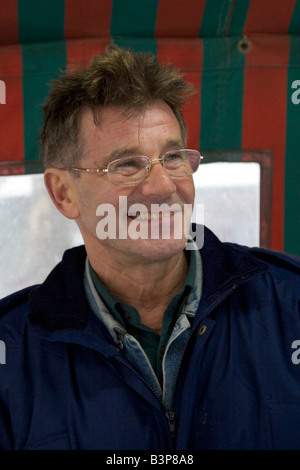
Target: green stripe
x,y
215,18
292,159
294,27
41,20
135,18
41,63
238,17
222,87
137,45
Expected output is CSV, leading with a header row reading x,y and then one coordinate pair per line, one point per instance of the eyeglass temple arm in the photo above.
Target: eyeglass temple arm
x,y
90,170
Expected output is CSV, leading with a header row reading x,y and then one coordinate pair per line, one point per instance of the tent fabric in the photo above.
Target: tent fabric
x,y
243,56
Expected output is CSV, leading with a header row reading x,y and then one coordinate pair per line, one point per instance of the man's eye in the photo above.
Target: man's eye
x,y
126,163
171,157
129,164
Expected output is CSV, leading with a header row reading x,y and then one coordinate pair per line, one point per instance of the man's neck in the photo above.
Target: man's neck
x,y
148,288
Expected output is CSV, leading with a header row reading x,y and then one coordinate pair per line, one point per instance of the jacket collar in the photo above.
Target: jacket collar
x,y
225,265
60,302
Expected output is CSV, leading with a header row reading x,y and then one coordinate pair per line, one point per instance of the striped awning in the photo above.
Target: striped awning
x,y
243,56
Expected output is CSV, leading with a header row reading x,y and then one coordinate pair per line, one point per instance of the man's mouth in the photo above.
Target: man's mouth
x,y
146,216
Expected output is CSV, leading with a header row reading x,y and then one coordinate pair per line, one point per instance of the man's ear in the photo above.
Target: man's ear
x,y
62,191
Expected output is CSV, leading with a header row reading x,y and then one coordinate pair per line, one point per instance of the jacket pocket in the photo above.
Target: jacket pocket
x,y
285,424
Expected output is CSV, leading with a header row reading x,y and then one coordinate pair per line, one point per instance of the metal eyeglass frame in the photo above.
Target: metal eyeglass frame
x,y
103,171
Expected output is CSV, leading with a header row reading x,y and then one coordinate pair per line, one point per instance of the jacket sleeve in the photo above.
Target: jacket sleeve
x,y
6,435
6,359
6,440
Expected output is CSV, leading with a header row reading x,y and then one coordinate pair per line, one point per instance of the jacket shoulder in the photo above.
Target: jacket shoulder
x,y
15,301
286,261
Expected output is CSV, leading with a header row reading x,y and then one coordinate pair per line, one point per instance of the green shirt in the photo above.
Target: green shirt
x,y
152,343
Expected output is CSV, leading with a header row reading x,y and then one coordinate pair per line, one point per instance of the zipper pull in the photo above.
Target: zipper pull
x,y
171,421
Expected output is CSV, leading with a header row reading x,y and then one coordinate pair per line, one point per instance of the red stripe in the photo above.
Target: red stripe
x,y
269,16
9,22
187,55
191,111
179,18
11,113
264,115
87,19
80,51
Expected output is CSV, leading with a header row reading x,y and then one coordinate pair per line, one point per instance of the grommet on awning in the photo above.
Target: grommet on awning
x,y
244,45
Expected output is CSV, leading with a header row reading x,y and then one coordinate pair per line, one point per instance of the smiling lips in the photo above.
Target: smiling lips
x,y
143,216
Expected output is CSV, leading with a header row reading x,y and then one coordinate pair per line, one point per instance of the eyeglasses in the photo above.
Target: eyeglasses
x,y
133,170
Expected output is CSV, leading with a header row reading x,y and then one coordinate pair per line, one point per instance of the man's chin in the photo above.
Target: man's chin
x,y
157,249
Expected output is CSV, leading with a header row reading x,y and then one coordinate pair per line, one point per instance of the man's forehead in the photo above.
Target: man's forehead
x,y
123,114
120,130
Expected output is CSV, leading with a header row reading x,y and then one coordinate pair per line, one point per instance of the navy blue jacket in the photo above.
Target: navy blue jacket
x,y
66,385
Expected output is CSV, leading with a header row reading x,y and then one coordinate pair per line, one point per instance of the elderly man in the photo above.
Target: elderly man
x,y
146,337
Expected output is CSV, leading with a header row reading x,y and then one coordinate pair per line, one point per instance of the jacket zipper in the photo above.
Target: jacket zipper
x,y
169,413
215,304
171,421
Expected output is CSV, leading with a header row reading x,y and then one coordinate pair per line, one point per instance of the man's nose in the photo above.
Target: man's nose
x,y
158,182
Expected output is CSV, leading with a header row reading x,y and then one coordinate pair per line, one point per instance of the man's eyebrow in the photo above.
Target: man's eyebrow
x,y
132,151
177,143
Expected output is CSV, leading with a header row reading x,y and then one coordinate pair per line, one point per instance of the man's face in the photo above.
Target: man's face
x,y
152,134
